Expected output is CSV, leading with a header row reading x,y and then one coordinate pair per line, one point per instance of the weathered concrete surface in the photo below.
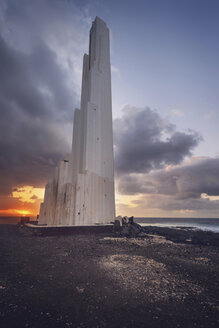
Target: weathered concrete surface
x,y
81,191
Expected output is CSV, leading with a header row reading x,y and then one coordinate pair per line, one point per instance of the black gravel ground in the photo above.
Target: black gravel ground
x,y
97,280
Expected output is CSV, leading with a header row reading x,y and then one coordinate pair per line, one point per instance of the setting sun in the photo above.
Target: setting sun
x,y
23,212
15,212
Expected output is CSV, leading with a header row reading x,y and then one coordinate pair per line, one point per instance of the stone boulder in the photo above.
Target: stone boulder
x,y
126,227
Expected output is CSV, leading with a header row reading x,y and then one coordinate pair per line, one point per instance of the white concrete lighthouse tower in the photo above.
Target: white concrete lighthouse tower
x,y
82,189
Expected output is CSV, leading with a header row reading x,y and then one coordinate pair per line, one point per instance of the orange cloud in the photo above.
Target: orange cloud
x,y
28,194
23,201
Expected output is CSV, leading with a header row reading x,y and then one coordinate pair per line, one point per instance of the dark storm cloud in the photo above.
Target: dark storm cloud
x,y
33,83
36,97
179,188
131,184
190,180
144,141
147,151
168,203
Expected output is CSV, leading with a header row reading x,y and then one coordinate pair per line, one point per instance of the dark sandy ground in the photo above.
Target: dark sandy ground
x,y
96,280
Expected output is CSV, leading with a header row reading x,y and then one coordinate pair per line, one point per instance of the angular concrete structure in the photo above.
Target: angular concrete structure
x,y
82,189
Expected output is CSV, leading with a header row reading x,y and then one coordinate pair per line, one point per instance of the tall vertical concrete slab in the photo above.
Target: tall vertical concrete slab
x,y
82,190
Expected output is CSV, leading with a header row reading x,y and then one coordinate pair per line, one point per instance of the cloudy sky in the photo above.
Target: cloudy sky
x,y
165,79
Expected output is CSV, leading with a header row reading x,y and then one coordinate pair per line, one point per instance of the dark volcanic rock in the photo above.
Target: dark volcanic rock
x,y
128,228
97,280
186,235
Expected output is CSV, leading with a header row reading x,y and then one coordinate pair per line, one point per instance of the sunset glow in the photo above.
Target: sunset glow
x,y
15,212
23,201
23,212
28,194
126,199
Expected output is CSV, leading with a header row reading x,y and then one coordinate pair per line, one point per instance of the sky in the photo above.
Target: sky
x,y
165,79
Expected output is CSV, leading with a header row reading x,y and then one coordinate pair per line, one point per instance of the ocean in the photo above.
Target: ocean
x,y
196,223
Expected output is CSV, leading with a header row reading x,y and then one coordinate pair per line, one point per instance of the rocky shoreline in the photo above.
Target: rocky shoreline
x,y
170,278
